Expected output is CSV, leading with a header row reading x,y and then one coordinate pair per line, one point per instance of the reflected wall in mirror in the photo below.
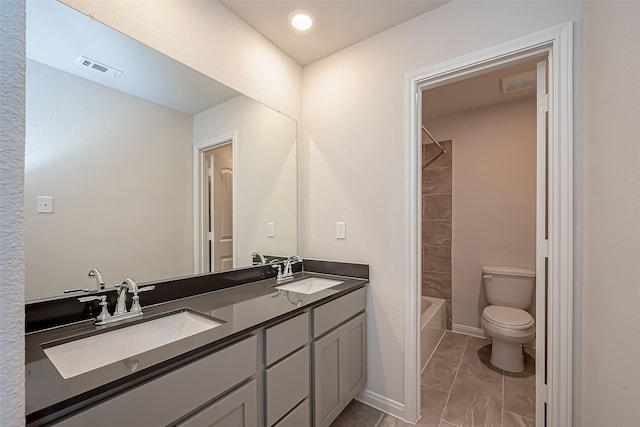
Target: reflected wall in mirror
x,y
119,157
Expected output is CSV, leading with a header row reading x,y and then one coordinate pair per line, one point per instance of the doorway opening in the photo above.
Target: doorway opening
x,y
478,190
553,216
214,206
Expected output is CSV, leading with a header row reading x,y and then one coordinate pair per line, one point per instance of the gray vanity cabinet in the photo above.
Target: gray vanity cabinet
x,y
181,392
339,356
300,372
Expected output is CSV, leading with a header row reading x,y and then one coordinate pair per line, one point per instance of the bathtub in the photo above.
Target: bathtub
x,y
433,323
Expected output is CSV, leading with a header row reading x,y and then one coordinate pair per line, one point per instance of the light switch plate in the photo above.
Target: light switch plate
x,y
341,230
45,204
270,229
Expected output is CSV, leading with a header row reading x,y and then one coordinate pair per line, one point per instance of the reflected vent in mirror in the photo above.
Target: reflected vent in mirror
x,y
104,69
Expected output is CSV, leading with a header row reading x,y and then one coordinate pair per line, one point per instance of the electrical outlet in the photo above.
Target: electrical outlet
x,y
341,230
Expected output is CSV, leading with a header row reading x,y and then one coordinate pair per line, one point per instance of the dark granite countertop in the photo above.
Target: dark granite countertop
x,y
243,308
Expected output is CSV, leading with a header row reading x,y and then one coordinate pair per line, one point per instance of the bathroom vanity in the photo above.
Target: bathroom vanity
x,y
274,358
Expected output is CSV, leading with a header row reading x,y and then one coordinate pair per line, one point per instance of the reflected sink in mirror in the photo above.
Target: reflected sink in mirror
x,y
86,354
309,286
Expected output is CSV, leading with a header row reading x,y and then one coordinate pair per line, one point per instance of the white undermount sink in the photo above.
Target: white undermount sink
x,y
310,285
86,354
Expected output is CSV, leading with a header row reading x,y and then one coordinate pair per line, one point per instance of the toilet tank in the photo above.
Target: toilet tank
x,y
509,286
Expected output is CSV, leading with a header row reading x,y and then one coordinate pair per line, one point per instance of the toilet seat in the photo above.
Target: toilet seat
x,y
507,317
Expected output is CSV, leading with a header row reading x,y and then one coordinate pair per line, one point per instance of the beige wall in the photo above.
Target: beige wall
x,y
494,197
119,170
264,174
611,273
354,137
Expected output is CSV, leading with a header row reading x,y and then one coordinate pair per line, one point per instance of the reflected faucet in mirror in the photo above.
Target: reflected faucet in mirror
x,y
260,259
94,272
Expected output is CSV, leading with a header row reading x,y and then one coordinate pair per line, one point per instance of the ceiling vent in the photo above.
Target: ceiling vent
x,y
104,69
518,82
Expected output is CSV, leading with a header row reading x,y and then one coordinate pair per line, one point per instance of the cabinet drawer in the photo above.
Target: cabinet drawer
x,y
299,417
238,409
286,337
286,384
330,315
176,393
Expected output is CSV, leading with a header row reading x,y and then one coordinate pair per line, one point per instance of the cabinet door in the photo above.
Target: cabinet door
x,y
353,360
237,409
339,369
326,375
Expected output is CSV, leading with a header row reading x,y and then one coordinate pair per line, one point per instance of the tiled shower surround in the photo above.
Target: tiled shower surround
x,y
436,223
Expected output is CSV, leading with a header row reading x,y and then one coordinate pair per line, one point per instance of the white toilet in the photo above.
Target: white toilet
x,y
509,291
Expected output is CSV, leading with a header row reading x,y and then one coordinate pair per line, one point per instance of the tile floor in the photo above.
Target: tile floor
x,y
461,388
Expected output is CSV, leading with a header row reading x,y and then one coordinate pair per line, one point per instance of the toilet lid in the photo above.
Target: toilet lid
x,y
509,317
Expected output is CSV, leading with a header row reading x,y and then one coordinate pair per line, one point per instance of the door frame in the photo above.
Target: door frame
x,y
557,42
199,259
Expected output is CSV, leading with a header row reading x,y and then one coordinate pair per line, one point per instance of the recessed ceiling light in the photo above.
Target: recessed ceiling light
x,y
301,19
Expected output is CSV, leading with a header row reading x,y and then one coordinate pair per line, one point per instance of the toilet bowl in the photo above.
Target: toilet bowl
x,y
509,328
508,291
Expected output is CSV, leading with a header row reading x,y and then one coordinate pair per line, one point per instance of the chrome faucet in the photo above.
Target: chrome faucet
x,y
286,273
120,312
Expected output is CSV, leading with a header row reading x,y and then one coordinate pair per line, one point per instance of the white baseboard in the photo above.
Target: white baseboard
x,y
382,403
468,330
479,333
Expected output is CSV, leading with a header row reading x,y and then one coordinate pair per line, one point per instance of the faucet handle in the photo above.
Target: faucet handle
x,y
92,298
104,312
68,291
135,305
279,267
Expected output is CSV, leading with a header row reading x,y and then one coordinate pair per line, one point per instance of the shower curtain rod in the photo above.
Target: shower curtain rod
x,y
424,129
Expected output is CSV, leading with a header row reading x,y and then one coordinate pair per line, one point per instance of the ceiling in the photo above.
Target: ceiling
x,y
57,35
338,23
480,91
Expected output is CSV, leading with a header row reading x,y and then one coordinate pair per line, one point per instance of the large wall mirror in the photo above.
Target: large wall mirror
x,y
140,166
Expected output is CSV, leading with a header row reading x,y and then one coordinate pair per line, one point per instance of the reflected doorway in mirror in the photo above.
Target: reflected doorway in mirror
x,y
214,203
